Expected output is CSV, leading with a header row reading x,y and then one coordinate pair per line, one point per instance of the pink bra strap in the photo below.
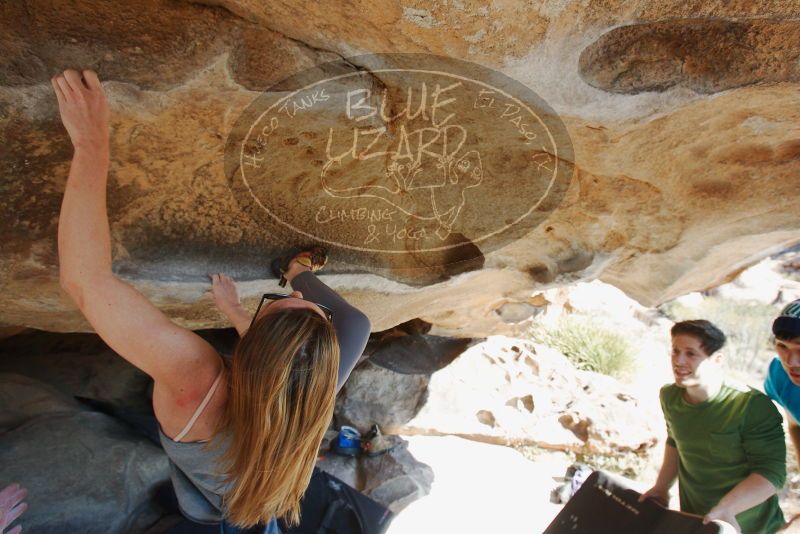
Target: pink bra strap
x,y
199,411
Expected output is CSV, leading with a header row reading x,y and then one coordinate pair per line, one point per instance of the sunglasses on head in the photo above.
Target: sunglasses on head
x,y
278,296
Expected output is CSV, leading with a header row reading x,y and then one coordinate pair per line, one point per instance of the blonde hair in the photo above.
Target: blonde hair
x,y
282,393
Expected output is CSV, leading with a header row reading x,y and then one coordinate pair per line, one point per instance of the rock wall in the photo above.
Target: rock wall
x,y
85,471
683,119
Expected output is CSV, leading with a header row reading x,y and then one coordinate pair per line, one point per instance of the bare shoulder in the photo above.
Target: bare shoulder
x,y
175,406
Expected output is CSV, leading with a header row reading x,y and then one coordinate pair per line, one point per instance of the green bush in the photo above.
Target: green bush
x,y
590,347
746,324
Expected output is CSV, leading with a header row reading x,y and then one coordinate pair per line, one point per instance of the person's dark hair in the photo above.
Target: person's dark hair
x,y
711,338
784,335
787,326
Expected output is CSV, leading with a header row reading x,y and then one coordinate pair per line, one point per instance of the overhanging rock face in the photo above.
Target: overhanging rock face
x,y
677,137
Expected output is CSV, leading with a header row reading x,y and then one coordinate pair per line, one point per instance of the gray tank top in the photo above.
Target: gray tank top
x,y
198,486
193,468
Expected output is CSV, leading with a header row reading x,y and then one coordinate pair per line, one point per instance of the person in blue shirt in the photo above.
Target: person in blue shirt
x,y
783,378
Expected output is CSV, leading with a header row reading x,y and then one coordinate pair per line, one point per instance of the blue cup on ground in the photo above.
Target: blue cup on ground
x,y
348,442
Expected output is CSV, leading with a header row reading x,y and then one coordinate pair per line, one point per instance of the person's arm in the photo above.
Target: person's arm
x,y
794,434
765,448
121,316
226,297
11,507
352,326
748,493
669,467
667,476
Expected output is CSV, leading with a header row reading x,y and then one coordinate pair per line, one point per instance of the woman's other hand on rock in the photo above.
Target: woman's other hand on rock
x,y
84,109
224,291
11,507
226,297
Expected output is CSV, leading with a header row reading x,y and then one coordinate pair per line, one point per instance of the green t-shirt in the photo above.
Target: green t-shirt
x,y
720,442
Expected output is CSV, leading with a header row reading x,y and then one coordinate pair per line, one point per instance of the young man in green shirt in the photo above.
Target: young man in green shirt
x,y
725,443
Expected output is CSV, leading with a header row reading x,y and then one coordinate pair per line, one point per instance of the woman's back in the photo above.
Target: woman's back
x,y
174,415
198,484
194,461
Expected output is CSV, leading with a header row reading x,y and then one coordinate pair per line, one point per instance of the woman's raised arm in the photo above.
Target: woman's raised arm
x,y
122,316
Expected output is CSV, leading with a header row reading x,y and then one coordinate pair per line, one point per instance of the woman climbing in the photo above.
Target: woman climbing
x,y
242,436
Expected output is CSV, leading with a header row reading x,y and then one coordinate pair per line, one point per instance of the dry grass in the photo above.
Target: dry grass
x,y
590,347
